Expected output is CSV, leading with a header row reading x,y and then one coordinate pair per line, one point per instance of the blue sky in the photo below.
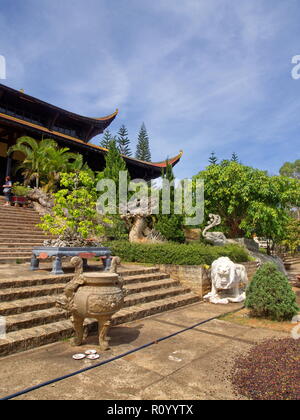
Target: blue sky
x,y
203,75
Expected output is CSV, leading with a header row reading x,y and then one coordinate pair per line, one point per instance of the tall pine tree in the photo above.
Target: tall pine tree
x,y
114,162
143,148
123,141
170,225
213,160
234,157
106,139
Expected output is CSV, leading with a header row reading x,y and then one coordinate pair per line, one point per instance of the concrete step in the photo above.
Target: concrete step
x,y
150,285
14,260
15,253
15,233
20,241
27,281
154,295
17,210
20,227
138,271
5,246
152,308
27,305
143,277
21,235
37,336
8,295
15,218
33,319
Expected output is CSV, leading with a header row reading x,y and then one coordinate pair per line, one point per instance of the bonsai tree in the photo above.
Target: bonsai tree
x,y
74,216
270,295
20,190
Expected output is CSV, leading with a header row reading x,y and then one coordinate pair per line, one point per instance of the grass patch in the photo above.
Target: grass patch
x,y
243,318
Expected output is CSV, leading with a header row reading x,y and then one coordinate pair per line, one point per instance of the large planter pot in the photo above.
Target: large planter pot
x,y
100,296
19,201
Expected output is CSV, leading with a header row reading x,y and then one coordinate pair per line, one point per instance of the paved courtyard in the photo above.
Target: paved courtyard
x,y
193,365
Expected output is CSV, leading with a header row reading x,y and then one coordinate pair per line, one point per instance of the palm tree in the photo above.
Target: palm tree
x,y
35,154
56,162
44,161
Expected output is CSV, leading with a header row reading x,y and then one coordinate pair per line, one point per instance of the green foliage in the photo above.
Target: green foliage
x,y
248,200
143,148
117,229
292,235
270,295
114,162
213,160
234,158
106,139
75,207
172,253
291,169
44,161
170,225
20,190
123,141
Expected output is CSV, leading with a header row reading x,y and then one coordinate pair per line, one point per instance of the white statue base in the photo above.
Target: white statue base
x,y
227,280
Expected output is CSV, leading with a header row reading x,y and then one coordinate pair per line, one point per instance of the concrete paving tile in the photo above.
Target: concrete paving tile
x,y
167,389
197,313
170,355
210,374
118,380
219,328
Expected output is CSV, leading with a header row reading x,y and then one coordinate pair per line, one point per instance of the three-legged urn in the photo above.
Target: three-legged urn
x,y
99,296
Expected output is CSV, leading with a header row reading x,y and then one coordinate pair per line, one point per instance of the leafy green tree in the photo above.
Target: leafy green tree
x,y
291,239
143,148
248,200
123,141
291,169
213,160
74,212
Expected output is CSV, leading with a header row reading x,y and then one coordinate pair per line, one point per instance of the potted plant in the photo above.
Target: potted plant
x,y
20,194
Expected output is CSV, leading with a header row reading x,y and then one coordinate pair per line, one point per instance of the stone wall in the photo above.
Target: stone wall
x,y
197,277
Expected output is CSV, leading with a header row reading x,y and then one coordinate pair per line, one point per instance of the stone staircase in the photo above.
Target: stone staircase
x,y
27,303
27,299
18,233
292,265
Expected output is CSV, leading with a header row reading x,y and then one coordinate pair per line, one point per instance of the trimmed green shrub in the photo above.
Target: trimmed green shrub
x,y
270,295
173,253
170,226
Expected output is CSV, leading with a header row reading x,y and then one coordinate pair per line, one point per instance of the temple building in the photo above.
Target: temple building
x,y
24,115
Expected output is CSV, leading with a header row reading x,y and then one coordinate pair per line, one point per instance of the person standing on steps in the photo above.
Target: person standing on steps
x,y
7,190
